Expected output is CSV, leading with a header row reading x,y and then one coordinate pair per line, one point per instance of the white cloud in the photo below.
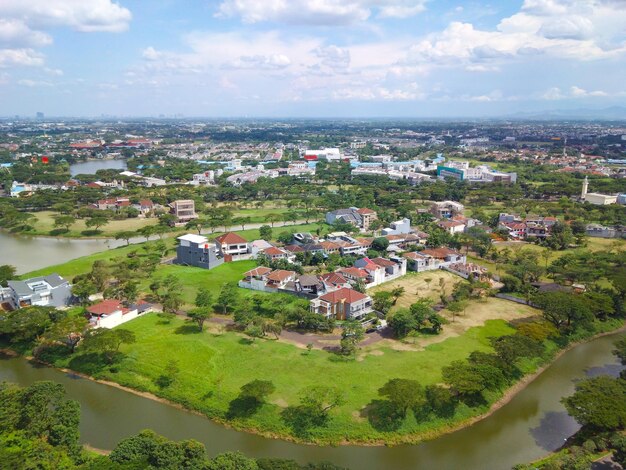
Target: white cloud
x,y
33,83
150,53
20,57
15,33
578,92
81,15
326,12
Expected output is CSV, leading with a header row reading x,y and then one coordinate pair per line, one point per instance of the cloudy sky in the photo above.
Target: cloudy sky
x,y
310,57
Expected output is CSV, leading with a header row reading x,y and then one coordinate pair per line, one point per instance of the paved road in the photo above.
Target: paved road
x,y
236,228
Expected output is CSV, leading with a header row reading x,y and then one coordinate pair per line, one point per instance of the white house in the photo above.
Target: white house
x,y
111,313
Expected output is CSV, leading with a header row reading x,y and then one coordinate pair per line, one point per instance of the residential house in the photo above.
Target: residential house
x,y
256,279
231,244
419,262
334,281
354,274
394,266
445,256
279,278
342,304
446,209
111,313
145,207
43,291
274,254
375,272
184,210
195,250
257,246
601,231
361,218
465,270
309,284
398,227
452,226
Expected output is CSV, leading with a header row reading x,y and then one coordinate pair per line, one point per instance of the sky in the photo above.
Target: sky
x,y
310,58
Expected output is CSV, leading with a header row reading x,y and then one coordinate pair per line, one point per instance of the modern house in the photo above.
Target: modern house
x,y
195,250
184,210
433,258
278,279
398,227
274,254
43,291
452,226
446,209
342,304
361,218
230,244
111,313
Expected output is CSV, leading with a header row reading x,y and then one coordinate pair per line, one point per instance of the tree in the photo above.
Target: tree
x,y
106,341
564,310
125,235
257,390
382,301
203,298
380,244
396,293
510,348
456,308
227,297
97,221
598,403
199,315
351,336
404,394
68,331
402,322
318,400
471,379
82,289
7,272
64,221
265,232
26,324
146,231
232,461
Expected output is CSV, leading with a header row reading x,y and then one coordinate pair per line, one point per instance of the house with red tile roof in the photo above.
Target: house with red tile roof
x,y
232,244
342,304
111,313
274,253
278,279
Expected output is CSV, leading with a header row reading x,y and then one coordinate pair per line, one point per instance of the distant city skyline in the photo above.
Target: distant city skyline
x,y
297,58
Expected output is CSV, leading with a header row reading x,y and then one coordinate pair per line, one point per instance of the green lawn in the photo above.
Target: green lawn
x,y
215,365
44,224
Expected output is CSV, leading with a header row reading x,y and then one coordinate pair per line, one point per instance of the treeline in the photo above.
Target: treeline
x,y
39,428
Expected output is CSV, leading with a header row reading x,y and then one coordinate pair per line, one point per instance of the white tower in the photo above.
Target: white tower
x,y
583,194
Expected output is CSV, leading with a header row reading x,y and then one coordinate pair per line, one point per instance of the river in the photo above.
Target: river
x,y
533,423
30,253
91,166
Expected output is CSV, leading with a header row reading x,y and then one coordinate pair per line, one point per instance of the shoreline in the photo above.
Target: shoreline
x,y
409,439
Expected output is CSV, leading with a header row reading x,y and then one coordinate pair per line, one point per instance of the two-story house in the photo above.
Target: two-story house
x,y
43,291
230,244
342,304
184,210
195,250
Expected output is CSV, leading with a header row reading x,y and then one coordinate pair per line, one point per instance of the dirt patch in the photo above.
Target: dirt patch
x,y
420,285
280,402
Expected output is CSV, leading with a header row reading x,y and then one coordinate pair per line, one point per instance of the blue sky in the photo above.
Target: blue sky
x,y
335,58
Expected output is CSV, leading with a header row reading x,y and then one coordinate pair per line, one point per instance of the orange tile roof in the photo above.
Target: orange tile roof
x,y
344,294
231,238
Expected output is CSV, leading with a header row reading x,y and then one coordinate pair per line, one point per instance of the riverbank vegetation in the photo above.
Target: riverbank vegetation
x,y
39,428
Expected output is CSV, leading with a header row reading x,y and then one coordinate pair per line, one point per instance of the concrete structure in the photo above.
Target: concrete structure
x,y
195,250
398,227
596,198
43,291
433,258
184,210
342,304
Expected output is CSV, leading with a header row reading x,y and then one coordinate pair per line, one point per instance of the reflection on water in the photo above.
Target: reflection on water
x,y
90,167
554,429
608,369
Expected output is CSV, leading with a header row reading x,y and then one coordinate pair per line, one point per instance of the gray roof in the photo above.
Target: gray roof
x,y
308,280
21,287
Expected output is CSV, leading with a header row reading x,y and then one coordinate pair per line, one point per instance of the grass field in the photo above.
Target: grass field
x,y
45,224
215,364
419,285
